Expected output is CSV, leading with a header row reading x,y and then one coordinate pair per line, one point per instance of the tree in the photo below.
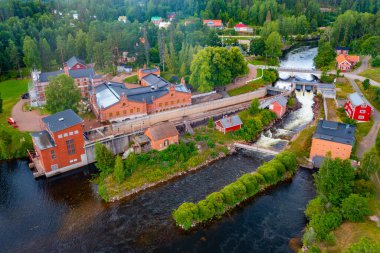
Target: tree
x,y
105,160
254,108
273,45
335,180
370,163
324,223
257,47
62,94
326,55
30,50
355,208
14,58
366,84
118,171
210,123
1,104
46,56
365,245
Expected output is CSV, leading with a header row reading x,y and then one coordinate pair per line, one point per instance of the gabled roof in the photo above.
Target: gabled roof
x,y
43,140
62,120
155,81
342,58
240,25
356,99
335,132
80,73
162,131
149,70
213,22
230,121
281,100
44,77
74,60
341,48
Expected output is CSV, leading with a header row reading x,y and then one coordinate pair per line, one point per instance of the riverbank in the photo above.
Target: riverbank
x,y
280,169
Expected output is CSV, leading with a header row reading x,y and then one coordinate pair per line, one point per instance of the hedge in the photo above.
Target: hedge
x,y
217,203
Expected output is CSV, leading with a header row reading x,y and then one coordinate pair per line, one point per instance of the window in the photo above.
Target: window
x,y
124,104
166,143
160,104
138,109
172,94
52,153
71,133
361,117
70,147
125,112
131,110
117,113
166,103
60,136
172,102
76,132
177,101
65,135
362,111
110,114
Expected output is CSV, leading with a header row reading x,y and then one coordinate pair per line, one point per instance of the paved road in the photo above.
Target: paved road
x,y
368,141
242,81
25,120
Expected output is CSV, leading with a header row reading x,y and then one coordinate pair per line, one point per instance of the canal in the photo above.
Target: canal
x,y
64,214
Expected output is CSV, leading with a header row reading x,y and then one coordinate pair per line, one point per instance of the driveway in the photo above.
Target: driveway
x,y
26,120
242,81
369,140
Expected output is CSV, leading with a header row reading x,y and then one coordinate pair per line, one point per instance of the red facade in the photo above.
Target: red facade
x,y
225,130
278,109
360,112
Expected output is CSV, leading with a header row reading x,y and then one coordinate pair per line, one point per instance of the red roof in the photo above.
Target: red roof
x,y
211,22
240,25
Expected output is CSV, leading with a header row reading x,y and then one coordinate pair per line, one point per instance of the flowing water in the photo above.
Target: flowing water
x,y
300,58
64,214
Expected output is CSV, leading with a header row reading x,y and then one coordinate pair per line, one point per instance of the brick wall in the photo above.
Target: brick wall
x,y
322,147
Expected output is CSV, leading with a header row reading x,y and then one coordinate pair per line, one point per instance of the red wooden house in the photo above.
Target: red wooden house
x,y
228,124
346,62
356,108
59,147
278,106
342,50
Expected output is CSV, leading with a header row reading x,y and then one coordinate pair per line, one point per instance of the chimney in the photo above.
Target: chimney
x,y
183,81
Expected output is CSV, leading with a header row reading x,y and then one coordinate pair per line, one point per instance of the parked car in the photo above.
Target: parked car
x,y
25,95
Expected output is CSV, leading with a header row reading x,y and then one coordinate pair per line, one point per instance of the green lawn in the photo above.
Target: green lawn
x,y
131,79
372,73
343,89
13,143
258,60
332,110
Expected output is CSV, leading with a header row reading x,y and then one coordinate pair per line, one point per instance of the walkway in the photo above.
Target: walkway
x,y
26,120
239,82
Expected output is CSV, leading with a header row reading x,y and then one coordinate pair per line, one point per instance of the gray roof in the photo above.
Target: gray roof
x,y
317,161
230,121
44,77
43,140
335,132
356,99
163,131
156,81
151,70
280,99
62,120
74,60
342,48
80,73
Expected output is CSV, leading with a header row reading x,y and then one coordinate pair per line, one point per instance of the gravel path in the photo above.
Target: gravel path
x,y
25,120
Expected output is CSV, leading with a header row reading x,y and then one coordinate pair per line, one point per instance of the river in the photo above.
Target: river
x,y
64,213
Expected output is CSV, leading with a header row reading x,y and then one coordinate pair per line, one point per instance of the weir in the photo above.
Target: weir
x,y
256,148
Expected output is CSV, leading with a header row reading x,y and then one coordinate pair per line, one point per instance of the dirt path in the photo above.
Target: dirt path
x,y
369,140
242,81
25,120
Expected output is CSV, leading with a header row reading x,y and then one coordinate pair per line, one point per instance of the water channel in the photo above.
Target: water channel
x,y
64,214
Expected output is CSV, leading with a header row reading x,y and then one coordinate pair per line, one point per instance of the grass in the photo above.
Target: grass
x,y
302,144
245,89
131,79
372,73
11,90
259,60
369,94
343,89
332,109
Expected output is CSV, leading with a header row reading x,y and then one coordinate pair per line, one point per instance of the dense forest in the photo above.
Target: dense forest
x,y
43,34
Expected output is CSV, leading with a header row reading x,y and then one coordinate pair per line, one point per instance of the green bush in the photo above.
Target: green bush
x,y
206,210
324,223
365,245
228,195
314,207
364,188
376,62
289,159
278,166
210,143
185,214
259,178
355,208
269,173
250,183
217,200
239,191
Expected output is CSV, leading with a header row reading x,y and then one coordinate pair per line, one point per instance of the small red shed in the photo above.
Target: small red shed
x,y
356,108
229,124
278,106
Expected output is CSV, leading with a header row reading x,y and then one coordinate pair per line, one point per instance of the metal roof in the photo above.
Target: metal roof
x,y
230,121
62,120
163,131
44,77
72,61
80,73
280,99
43,140
335,132
157,81
356,99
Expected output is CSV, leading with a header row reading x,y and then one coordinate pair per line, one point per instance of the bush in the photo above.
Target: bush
x,y
250,183
365,245
185,214
364,188
355,208
239,191
228,195
259,178
309,237
216,199
366,84
289,159
269,173
278,166
376,62
210,143
314,207
206,210
102,191
324,223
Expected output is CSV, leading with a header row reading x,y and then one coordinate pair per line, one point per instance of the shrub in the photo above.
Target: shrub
x,y
355,208
376,62
105,160
324,223
364,188
314,207
314,249
239,191
210,143
365,245
228,195
259,178
279,167
309,237
330,239
210,123
217,200
250,183
289,159
184,214
366,84
102,191
206,210
269,173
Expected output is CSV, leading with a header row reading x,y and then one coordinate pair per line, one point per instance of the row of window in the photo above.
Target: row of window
x,y
171,102
124,112
70,149
60,136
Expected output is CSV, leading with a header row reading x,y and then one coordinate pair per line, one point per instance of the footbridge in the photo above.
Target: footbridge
x,y
288,69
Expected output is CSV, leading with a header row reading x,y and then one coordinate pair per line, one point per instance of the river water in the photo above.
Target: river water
x,y
64,214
